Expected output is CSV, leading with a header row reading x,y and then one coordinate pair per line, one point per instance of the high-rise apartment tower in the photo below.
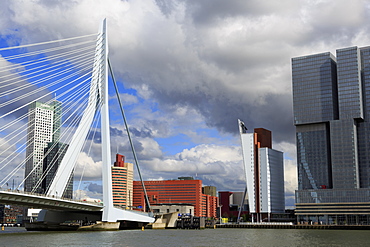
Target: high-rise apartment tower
x,y
122,182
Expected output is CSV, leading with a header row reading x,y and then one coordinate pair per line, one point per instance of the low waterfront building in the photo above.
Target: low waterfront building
x,y
166,208
12,214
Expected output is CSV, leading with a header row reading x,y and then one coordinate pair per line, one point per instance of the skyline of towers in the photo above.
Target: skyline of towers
x,y
44,151
264,168
331,101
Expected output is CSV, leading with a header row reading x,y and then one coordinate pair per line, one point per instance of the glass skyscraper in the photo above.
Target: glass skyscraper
x,y
331,100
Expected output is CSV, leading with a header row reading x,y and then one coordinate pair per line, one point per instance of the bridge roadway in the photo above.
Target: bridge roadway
x,y
14,197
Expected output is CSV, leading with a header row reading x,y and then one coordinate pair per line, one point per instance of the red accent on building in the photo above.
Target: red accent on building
x,y
224,197
120,161
176,192
209,206
262,139
122,178
226,210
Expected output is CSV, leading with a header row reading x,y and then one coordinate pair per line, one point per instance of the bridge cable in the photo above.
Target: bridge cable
x,y
76,59
48,42
129,137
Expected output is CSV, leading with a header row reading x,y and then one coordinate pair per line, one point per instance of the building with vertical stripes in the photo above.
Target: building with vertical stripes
x,y
122,182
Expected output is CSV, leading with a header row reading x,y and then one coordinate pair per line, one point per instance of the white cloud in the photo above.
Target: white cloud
x,y
200,160
290,173
87,167
87,195
126,99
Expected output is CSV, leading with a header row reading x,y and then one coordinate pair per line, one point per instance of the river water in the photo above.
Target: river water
x,y
208,237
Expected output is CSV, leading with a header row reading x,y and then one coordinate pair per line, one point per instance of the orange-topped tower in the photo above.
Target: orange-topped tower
x,y
122,179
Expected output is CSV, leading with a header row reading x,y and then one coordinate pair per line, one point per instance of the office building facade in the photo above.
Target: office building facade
x,y
188,191
264,168
43,128
122,183
53,155
331,100
44,151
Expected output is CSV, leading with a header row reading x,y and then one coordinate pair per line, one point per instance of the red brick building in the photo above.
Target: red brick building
x,y
209,206
176,191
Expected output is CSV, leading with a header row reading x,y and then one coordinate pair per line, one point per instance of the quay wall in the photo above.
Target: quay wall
x,y
288,226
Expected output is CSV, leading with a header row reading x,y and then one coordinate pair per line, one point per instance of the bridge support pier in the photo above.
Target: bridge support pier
x,y
53,220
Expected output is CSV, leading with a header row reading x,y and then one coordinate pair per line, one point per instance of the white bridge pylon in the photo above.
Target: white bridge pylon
x,y
98,97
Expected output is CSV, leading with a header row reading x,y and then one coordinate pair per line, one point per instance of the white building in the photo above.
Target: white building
x,y
43,127
271,181
180,208
264,168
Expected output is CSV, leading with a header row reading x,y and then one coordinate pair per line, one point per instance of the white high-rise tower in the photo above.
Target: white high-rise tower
x,y
43,128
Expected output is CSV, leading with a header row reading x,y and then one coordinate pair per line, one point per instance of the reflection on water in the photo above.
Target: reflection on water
x,y
208,237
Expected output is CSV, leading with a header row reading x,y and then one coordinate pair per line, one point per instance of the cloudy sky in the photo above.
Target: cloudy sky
x,y
187,70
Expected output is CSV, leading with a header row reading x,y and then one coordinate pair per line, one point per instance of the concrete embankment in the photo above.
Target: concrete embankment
x,y
287,226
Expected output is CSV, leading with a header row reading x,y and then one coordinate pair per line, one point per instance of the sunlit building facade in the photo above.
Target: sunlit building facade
x,y
122,182
331,99
43,128
181,191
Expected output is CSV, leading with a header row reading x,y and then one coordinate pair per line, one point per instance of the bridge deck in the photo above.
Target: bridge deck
x,y
45,202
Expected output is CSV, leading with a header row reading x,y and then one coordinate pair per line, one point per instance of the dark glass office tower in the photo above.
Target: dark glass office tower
x,y
331,99
54,154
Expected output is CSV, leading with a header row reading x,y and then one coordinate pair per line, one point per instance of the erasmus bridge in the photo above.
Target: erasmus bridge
x,y
74,73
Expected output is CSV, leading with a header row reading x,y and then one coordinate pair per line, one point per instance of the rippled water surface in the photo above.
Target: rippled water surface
x,y
207,237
